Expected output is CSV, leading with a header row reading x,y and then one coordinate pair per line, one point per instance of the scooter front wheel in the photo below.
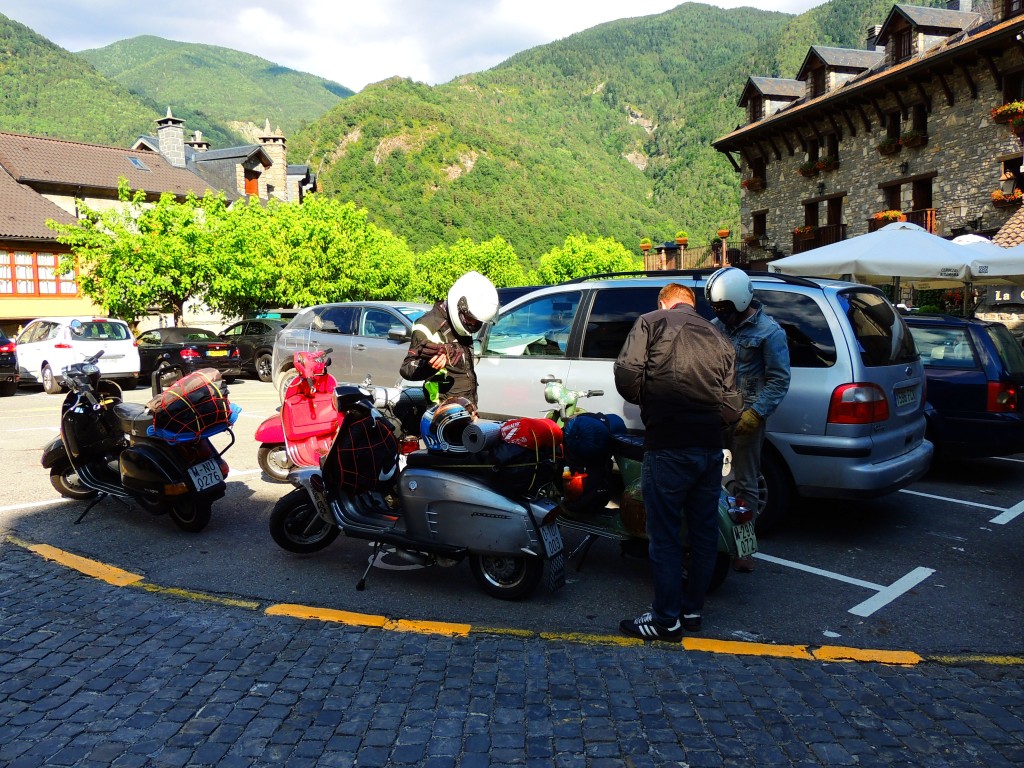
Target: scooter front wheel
x,y
506,577
191,514
297,527
274,461
64,478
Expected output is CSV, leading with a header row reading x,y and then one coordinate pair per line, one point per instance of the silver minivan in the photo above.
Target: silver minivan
x,y
852,424
366,338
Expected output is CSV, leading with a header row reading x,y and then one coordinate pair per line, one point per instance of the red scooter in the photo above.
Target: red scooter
x,y
302,433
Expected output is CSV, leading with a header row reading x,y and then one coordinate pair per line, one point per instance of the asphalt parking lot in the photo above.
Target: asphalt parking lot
x,y
933,570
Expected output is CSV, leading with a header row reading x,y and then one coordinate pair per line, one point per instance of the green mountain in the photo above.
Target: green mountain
x,y
234,91
605,132
47,91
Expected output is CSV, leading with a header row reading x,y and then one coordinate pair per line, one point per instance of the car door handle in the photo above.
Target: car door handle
x,y
360,347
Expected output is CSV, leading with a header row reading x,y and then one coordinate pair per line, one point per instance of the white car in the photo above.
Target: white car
x,y
48,345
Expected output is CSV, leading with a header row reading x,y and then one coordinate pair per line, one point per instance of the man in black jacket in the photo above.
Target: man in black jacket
x,y
681,370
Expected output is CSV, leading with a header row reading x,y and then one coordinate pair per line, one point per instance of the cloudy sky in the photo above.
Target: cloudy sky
x,y
354,44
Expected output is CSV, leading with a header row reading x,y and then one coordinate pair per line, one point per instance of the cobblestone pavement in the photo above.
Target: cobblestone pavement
x,y
94,675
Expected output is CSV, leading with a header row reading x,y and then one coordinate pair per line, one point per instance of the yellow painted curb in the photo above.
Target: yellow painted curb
x,y
367,620
838,653
107,573
741,648
204,597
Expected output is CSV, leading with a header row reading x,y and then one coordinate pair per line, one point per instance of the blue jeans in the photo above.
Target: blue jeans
x,y
677,482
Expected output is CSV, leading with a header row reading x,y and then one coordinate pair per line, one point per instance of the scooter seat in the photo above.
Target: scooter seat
x,y
470,463
134,418
629,446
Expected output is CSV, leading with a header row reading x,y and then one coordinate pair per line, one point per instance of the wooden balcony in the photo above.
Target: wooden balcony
x,y
826,235
925,217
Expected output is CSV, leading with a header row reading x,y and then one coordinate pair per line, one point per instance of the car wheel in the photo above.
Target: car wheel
x,y
8,388
264,367
50,384
285,379
778,492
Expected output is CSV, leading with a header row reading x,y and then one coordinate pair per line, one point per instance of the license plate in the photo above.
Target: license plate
x,y
205,475
746,541
217,353
552,538
906,396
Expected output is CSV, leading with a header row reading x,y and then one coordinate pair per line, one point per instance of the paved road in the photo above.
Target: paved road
x,y
96,675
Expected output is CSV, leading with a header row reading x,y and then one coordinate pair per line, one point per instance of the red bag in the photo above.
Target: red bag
x,y
191,405
532,433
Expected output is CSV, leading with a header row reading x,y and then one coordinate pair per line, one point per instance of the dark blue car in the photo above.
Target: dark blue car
x,y
974,371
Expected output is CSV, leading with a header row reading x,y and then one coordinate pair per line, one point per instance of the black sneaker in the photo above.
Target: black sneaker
x,y
691,622
646,627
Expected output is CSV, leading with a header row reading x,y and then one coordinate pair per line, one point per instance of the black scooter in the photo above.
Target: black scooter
x,y
106,448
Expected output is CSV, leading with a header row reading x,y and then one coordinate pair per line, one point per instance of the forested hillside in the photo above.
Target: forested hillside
x,y
207,83
47,91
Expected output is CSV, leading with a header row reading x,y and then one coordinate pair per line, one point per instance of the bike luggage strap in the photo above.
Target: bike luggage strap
x,y
174,437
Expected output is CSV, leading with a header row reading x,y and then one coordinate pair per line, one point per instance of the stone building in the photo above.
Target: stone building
x,y
904,125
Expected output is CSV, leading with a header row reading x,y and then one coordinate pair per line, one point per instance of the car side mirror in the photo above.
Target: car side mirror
x,y
398,333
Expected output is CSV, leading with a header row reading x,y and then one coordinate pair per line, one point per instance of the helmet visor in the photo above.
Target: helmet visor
x,y
468,320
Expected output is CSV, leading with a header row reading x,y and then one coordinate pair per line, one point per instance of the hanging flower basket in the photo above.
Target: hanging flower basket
x,y
723,233
913,139
889,147
753,184
1007,112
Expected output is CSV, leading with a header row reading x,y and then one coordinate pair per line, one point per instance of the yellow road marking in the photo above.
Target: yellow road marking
x,y
205,597
107,573
838,653
367,620
741,648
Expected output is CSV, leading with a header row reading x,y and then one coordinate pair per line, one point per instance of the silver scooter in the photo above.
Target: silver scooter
x,y
439,510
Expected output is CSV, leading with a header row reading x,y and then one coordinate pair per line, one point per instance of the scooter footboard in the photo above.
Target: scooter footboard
x,y
460,511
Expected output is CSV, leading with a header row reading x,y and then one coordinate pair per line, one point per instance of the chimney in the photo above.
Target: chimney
x,y
171,136
959,5
872,37
197,142
276,175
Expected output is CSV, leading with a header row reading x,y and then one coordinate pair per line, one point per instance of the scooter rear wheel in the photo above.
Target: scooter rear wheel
x,y
274,461
723,564
191,515
64,478
297,527
506,577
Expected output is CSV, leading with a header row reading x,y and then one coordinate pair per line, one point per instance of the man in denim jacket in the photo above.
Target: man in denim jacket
x,y
762,371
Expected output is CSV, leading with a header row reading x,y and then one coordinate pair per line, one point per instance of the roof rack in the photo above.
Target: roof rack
x,y
696,274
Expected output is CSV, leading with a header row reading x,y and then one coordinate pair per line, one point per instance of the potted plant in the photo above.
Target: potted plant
x,y
752,240
1008,111
808,169
645,244
1017,125
889,216
723,232
827,163
682,238
804,232
888,146
1001,199
914,138
753,184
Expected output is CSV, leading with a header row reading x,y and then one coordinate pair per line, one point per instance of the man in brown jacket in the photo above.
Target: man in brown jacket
x,y
681,370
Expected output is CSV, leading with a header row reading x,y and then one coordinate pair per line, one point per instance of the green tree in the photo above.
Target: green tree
x,y
580,256
135,257
440,266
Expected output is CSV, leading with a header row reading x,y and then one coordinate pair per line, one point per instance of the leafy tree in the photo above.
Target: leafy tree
x,y
440,266
134,257
579,256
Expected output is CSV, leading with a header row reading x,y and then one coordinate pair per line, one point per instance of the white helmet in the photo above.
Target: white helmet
x,y
472,301
729,285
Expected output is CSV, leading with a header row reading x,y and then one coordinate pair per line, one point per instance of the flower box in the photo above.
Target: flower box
x,y
808,169
1008,111
805,232
889,147
1007,202
888,217
827,164
753,184
913,139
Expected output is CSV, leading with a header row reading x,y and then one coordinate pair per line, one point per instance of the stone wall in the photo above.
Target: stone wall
x,y
964,153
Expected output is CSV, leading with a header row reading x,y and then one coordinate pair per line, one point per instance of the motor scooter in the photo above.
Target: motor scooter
x,y
439,510
108,447
601,503
302,432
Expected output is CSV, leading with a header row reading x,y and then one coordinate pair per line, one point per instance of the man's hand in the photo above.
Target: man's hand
x,y
749,421
438,361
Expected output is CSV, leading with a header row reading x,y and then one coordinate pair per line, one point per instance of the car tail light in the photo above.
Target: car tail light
x,y
1002,397
189,354
62,345
8,347
409,445
858,403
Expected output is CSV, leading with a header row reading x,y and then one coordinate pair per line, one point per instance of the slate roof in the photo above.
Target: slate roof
x,y
935,18
773,88
43,162
24,212
841,58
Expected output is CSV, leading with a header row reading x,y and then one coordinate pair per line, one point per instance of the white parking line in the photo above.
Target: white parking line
x,y
1007,515
885,594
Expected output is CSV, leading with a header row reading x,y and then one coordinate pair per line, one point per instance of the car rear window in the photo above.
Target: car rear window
x,y
1009,348
199,335
96,330
811,344
882,336
942,347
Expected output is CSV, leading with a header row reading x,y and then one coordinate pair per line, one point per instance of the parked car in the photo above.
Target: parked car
x,y
366,338
161,349
285,314
9,375
852,424
975,371
48,345
255,341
